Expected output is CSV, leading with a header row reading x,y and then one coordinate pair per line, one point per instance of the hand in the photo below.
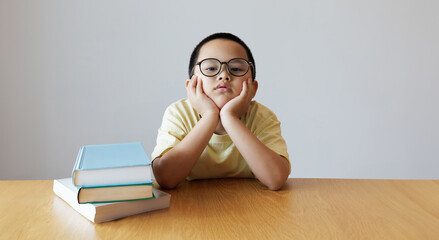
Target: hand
x,y
198,99
239,105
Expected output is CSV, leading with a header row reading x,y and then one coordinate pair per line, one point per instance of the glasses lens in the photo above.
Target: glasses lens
x,y
210,67
238,67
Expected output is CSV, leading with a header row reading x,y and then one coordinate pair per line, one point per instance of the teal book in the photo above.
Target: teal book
x,y
117,193
112,165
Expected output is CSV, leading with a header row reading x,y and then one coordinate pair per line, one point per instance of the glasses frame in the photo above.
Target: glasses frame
x,y
250,65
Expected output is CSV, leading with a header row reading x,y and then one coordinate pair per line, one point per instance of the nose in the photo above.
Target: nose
x,y
224,73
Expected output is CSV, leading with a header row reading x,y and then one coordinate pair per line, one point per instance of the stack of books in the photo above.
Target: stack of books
x,y
112,172
114,177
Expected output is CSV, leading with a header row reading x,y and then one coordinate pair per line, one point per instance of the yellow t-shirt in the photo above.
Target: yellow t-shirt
x,y
220,158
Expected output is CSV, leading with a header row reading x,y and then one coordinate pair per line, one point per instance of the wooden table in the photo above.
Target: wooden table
x,y
239,209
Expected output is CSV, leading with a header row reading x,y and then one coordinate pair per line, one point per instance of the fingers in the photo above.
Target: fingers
x,y
190,86
249,88
244,90
189,81
194,83
199,86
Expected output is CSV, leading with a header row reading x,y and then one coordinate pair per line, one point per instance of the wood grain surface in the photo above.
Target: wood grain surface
x,y
239,209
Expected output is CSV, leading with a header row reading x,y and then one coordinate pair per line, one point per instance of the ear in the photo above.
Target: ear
x,y
255,85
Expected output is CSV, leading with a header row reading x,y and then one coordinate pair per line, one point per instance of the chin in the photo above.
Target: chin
x,y
220,103
221,100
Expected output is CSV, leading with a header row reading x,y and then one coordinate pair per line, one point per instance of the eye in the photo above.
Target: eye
x,y
237,69
210,68
238,66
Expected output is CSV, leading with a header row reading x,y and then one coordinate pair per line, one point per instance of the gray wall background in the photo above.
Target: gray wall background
x,y
354,83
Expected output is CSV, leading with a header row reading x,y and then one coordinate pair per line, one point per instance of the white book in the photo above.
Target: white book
x,y
104,212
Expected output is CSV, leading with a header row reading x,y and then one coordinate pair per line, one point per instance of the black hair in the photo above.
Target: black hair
x,y
221,35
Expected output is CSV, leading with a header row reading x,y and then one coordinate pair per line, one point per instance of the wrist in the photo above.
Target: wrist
x,y
210,115
228,115
211,110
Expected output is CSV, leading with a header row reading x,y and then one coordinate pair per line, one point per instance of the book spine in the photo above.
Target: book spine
x,y
78,193
116,201
78,164
117,185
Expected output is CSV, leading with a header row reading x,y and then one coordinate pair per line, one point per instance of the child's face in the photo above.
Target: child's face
x,y
224,86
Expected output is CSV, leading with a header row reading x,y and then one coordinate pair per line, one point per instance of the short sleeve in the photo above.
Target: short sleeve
x,y
170,133
266,127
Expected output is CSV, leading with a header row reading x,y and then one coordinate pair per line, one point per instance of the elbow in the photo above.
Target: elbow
x,y
276,183
278,178
166,184
275,186
161,176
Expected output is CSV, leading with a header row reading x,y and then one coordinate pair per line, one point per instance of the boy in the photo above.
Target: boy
x,y
218,131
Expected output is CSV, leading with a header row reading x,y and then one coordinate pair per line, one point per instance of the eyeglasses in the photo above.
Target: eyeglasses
x,y
210,67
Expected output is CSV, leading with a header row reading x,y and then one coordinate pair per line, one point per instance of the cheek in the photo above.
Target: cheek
x,y
207,85
238,89
205,88
241,80
238,85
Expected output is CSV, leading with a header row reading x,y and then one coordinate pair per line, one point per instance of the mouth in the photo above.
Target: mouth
x,y
223,88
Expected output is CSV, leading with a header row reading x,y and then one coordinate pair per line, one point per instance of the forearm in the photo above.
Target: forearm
x,y
175,165
269,167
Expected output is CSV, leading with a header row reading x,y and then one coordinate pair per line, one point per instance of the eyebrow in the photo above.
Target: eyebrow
x,y
198,61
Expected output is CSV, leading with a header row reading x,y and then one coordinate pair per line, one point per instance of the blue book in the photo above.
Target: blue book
x,y
112,165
